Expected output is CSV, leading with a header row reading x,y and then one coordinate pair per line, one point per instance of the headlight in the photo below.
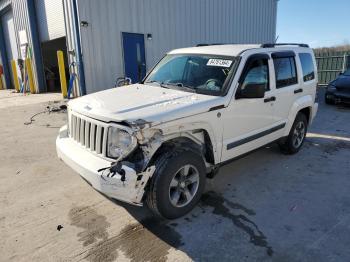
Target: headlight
x,y
120,143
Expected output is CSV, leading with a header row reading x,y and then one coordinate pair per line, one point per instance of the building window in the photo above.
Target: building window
x,y
285,71
307,66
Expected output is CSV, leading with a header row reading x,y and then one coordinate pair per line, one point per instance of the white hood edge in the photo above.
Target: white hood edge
x,y
148,103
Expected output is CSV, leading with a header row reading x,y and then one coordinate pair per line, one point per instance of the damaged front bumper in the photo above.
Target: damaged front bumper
x,y
131,190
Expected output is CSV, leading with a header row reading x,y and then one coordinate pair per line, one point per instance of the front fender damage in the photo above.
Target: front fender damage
x,y
149,139
127,185
124,180
130,175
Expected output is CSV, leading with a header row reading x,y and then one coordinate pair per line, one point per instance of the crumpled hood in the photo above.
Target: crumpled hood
x,y
146,102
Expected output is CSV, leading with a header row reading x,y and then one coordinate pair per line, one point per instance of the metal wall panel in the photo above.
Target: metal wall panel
x,y
4,7
10,36
10,39
22,21
4,3
173,24
21,18
50,19
71,43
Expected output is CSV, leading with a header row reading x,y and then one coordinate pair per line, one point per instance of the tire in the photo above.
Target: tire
x,y
296,137
170,167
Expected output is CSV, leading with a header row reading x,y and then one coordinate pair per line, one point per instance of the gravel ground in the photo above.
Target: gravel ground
x,y
264,207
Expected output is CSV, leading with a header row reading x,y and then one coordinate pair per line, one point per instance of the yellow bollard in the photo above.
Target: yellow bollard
x,y
3,81
62,70
14,74
30,75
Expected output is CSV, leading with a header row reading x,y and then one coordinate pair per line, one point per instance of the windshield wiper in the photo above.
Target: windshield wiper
x,y
161,84
152,81
179,86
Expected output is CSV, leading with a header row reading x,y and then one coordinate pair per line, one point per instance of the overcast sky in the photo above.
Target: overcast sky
x,y
318,23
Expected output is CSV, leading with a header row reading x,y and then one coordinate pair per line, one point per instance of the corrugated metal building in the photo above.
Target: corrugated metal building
x,y
107,39
114,38
42,23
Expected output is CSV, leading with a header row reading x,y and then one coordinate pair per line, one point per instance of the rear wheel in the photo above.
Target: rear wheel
x,y
177,184
296,137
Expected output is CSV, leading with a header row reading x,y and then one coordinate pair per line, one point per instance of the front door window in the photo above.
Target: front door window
x,y
258,73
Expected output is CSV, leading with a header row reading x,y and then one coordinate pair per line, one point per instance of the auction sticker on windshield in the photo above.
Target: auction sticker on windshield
x,y
219,62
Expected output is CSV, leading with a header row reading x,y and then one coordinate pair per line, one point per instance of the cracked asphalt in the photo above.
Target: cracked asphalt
x,y
264,207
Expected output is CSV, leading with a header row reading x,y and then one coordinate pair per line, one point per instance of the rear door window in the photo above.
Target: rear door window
x,y
285,70
307,66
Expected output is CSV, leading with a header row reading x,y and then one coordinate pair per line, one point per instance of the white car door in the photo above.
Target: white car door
x,y
288,88
249,122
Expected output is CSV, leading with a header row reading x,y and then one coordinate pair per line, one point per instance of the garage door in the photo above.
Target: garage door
x,y
50,19
10,38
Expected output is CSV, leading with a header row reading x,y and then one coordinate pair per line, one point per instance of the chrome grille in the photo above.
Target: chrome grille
x,y
89,133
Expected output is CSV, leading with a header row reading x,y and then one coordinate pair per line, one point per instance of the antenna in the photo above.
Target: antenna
x,y
277,39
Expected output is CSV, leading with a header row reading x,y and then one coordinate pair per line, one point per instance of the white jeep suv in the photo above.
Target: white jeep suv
x,y
157,141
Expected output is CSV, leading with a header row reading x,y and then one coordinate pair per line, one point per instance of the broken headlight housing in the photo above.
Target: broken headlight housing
x,y
119,142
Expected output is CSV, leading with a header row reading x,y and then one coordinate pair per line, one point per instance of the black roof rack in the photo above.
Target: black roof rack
x,y
270,45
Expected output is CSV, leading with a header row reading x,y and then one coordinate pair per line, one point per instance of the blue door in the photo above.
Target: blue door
x,y
134,56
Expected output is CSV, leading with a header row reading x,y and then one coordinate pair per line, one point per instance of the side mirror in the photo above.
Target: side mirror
x,y
341,73
252,90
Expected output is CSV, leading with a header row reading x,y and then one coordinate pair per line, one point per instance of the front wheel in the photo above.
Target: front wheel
x,y
296,136
177,184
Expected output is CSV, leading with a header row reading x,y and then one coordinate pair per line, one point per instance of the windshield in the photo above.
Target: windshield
x,y
197,73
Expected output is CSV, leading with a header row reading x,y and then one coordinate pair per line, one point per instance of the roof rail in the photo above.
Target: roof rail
x,y
270,45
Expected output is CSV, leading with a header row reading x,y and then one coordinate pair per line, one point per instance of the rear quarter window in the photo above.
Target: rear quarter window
x,y
307,66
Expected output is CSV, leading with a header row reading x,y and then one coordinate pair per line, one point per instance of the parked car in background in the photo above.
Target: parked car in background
x,y
338,91
199,108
